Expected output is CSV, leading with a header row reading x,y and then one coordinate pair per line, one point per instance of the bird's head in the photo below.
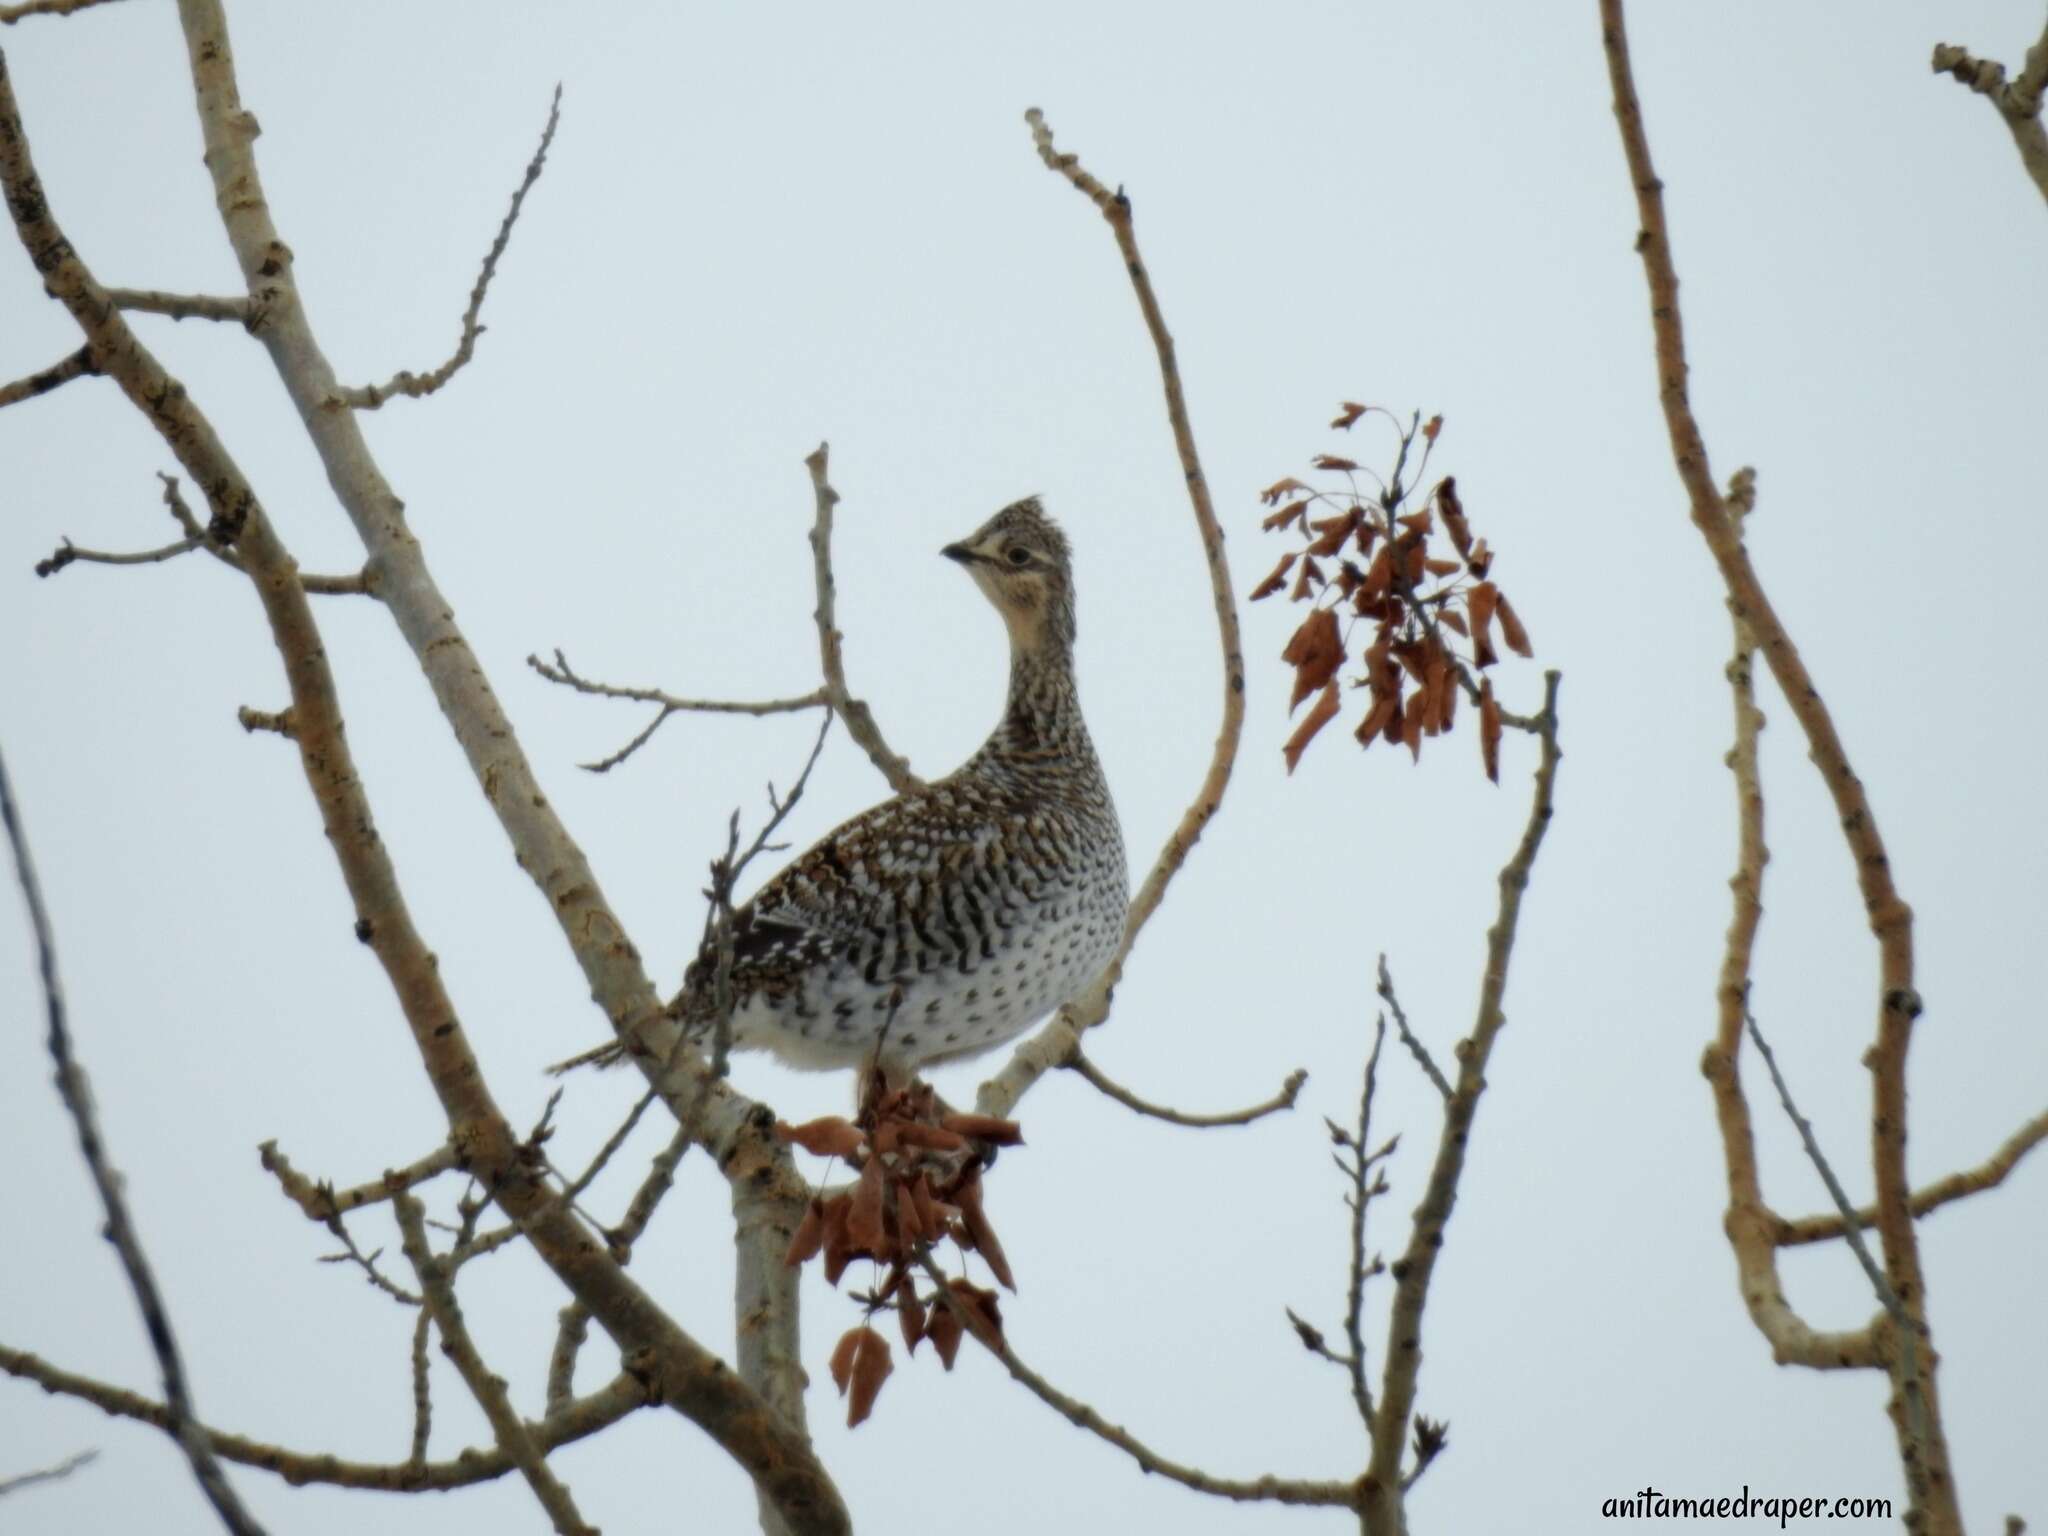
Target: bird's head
x,y
1020,560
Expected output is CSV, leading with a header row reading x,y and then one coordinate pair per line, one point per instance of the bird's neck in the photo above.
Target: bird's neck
x,y
1042,716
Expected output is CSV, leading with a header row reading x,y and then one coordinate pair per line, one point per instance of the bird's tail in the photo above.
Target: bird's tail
x,y
607,1055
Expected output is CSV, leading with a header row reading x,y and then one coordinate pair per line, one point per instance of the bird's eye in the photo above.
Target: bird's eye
x,y
1017,554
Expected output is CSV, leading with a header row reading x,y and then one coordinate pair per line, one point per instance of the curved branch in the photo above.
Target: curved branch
x,y
1284,1099
1914,1405
1988,1174
1255,1490
2018,104
1057,1043
369,397
860,720
78,365
577,1420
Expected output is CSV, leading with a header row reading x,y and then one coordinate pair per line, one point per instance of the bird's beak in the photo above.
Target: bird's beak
x,y
961,553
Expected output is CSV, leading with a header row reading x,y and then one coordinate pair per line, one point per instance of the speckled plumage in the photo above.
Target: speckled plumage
x,y
943,922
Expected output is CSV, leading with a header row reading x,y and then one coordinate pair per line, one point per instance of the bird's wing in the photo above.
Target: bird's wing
x,y
901,889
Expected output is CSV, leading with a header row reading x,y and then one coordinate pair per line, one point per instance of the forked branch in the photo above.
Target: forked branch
x,y
1055,1045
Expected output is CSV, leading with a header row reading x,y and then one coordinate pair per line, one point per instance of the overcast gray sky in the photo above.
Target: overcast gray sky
x,y
766,226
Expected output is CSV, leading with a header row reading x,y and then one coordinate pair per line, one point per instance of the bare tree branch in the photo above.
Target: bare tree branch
x,y
68,552
1055,1044
1413,1270
489,1390
1284,1099
1365,1188
860,720
55,1474
1267,1489
689,1378
186,306
1929,1480
10,14
322,1202
370,396
72,1087
2018,104
563,674
1415,1047
78,365
1750,1223
586,1416
1902,1325
1988,1174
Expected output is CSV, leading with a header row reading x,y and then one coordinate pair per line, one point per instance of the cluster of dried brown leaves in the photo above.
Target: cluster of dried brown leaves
x,y
1366,562
919,1184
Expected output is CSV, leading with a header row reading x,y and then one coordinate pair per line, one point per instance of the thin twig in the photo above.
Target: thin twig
x,y
661,1177
10,14
488,1389
1413,1270
563,674
78,365
67,553
184,306
322,1202
1365,1188
572,1327
1284,1099
1415,1047
58,1473
2018,104
370,396
72,1087
1267,1489
860,720
1988,1174
1902,1325
1052,1045
367,1263
586,1416
422,1390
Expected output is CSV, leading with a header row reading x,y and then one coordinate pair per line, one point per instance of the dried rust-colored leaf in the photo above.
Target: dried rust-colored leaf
x,y
1451,618
809,1236
1375,721
839,1248
1288,514
1277,579
831,1136
1324,711
1315,652
871,1367
1511,629
1348,413
864,1219
1331,532
1418,522
981,1303
944,1329
931,1220
841,1364
997,1133
968,1197
1379,576
1480,602
933,1138
910,1317
1442,567
1453,509
1489,729
1431,427
1273,494
1332,461
1412,716
1480,561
